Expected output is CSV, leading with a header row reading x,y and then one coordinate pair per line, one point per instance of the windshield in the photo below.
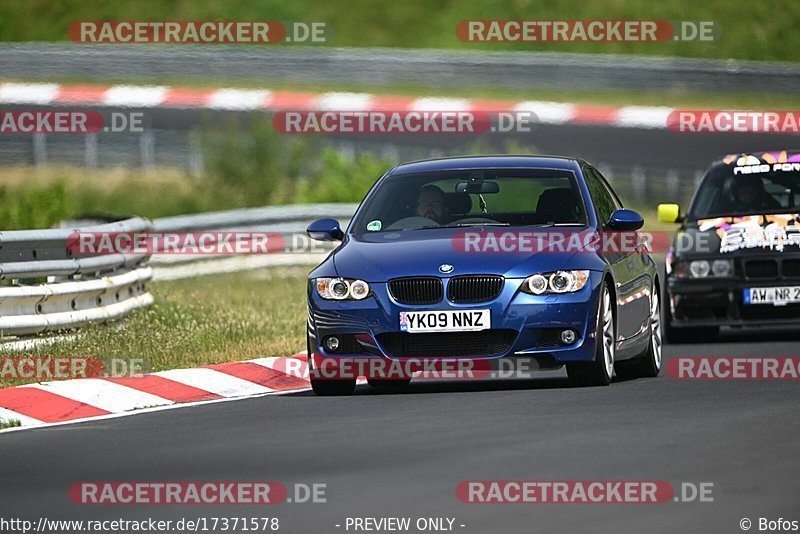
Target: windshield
x,y
726,191
473,198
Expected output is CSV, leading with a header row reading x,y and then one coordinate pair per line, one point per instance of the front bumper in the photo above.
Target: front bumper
x,y
721,303
522,326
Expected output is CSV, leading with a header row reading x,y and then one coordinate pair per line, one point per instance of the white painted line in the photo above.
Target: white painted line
x,y
643,117
28,93
238,99
344,101
135,96
216,382
548,112
10,415
440,104
101,394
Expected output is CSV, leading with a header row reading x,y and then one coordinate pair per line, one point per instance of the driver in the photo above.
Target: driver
x,y
749,194
430,204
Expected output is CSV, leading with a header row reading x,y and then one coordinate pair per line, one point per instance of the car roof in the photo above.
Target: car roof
x,y
486,162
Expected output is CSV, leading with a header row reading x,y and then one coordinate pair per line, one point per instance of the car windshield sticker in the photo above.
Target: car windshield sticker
x,y
773,232
374,226
766,162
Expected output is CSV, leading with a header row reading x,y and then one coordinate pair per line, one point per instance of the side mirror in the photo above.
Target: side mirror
x,y
325,230
625,220
669,213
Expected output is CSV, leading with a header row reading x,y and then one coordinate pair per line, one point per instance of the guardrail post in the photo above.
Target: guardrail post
x,y
90,151
39,149
639,181
196,160
673,184
147,143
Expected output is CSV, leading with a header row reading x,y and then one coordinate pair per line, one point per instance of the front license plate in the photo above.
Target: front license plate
x,y
446,321
777,296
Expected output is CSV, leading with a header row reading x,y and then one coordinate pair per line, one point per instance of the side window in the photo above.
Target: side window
x,y
617,201
604,202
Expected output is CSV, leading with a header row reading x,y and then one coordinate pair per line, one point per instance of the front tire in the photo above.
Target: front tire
x,y
599,371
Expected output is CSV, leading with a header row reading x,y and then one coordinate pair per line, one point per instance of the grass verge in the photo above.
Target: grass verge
x,y
200,321
748,30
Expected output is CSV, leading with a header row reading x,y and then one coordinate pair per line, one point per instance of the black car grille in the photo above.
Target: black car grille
x,y
416,290
791,268
471,289
492,342
761,269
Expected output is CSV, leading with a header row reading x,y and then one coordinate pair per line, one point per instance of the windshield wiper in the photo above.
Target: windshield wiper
x,y
551,225
462,225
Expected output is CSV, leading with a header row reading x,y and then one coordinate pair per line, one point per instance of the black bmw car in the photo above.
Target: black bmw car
x,y
735,260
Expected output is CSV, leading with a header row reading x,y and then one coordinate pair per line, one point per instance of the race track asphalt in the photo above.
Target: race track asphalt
x,y
384,453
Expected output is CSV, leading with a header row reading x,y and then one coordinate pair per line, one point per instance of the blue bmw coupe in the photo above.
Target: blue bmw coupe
x,y
488,258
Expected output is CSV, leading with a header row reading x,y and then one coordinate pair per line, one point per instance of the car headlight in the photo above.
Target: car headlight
x,y
699,268
341,289
703,269
722,268
555,282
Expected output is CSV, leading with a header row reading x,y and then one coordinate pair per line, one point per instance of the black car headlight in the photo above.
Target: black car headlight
x,y
555,282
703,269
341,288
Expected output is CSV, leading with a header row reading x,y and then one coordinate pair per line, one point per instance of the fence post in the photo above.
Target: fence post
x,y
196,160
673,184
147,143
90,151
39,149
639,181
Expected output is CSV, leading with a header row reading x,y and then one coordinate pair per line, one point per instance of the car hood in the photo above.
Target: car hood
x,y
381,256
736,236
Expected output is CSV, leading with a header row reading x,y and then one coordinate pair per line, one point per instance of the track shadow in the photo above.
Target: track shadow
x,y
425,387
747,335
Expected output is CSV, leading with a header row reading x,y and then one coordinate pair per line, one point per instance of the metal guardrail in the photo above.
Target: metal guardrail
x,y
98,288
78,290
391,66
289,221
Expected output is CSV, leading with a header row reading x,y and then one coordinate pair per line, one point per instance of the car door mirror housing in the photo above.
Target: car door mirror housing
x,y
625,220
669,213
325,230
